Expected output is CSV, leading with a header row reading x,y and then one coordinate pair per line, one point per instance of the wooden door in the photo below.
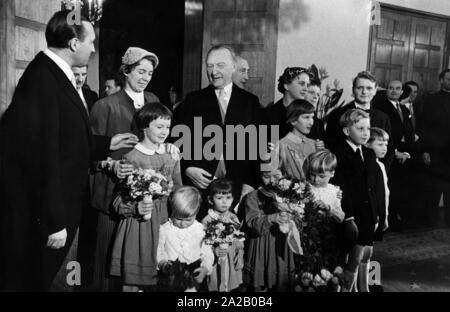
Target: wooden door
x,y
251,28
408,46
22,36
427,52
390,48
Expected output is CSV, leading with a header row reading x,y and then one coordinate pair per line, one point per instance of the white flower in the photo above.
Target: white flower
x,y
338,270
318,281
155,188
325,274
284,184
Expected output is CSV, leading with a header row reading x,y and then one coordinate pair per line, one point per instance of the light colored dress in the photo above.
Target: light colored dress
x,y
293,150
136,241
328,195
234,259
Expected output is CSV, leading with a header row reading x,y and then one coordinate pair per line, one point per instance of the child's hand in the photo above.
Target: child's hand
x,y
220,252
339,194
122,169
200,274
145,208
319,144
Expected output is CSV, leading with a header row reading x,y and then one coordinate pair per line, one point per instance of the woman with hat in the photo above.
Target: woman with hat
x,y
112,115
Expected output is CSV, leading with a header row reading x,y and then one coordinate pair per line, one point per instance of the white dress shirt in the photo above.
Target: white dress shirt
x,y
226,97
80,93
386,187
186,245
62,65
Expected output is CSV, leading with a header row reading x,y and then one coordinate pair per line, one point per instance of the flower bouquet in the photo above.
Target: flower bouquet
x,y
223,234
291,197
321,251
146,185
322,281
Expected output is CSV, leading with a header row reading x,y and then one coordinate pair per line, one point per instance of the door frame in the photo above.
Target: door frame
x,y
415,13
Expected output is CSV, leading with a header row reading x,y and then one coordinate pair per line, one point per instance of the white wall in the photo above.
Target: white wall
x,y
333,34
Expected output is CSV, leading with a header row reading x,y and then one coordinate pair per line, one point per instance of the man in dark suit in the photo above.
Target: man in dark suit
x,y
434,141
47,148
402,137
364,88
225,105
88,97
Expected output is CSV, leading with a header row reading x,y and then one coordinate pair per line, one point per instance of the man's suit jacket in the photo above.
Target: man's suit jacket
x,y
334,136
47,147
243,109
399,129
90,96
434,134
362,184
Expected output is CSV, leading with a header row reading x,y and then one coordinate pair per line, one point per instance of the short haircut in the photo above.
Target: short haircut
x,y
185,202
297,108
364,75
411,83
442,74
406,92
221,47
319,162
352,116
378,134
220,186
118,79
58,32
289,74
150,112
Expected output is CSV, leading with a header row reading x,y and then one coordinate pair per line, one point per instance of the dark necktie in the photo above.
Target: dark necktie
x,y
399,110
359,155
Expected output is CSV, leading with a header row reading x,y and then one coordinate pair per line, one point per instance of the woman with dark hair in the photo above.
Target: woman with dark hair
x,y
109,116
293,84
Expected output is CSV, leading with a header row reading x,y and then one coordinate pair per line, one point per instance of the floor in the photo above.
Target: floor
x,y
415,261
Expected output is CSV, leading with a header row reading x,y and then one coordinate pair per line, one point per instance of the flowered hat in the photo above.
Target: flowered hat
x,y
134,55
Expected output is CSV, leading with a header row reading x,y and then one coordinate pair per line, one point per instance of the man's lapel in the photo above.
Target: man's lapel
x,y
212,106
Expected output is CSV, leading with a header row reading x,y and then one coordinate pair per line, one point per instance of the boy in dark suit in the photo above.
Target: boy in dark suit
x,y
357,174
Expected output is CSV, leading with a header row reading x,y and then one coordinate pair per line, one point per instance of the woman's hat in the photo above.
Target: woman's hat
x,y
134,55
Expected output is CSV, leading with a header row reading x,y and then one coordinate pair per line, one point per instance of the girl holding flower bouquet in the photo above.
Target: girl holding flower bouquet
x,y
227,270
269,261
136,241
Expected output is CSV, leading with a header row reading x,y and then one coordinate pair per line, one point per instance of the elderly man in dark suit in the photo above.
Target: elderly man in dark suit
x,y
47,148
221,104
364,88
434,140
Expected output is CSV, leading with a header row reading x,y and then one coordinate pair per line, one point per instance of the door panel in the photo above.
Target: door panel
x,y
251,28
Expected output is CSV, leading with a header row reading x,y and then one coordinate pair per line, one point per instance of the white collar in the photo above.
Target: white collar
x,y
141,148
137,97
227,217
361,107
354,146
61,64
393,103
227,90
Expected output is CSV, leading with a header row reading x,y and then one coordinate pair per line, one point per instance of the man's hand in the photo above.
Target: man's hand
x,y
200,274
426,158
402,156
319,144
198,176
123,140
57,240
